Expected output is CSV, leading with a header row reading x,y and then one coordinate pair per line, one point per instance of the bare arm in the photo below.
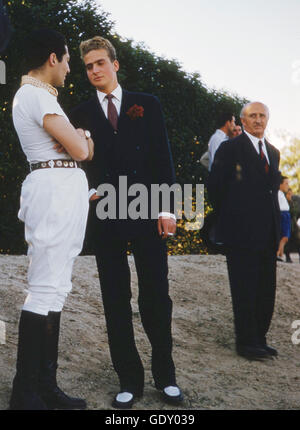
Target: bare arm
x,y
64,133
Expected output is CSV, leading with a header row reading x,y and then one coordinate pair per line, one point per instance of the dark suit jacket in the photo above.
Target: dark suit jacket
x,y
139,150
244,197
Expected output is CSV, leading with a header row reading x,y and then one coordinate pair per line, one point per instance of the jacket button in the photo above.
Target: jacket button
x,y
134,172
137,147
115,132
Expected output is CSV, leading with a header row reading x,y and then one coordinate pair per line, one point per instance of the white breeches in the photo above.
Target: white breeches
x,y
54,208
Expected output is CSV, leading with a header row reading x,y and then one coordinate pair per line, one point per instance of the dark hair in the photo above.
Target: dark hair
x,y
282,179
223,117
40,44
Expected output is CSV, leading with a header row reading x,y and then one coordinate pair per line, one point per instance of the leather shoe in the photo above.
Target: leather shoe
x,y
124,400
256,353
271,351
55,398
172,395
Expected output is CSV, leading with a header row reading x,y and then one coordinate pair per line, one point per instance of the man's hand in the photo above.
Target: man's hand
x,y
94,197
166,227
59,148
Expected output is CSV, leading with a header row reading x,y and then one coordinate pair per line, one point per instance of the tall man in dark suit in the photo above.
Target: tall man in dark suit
x,y
243,188
130,142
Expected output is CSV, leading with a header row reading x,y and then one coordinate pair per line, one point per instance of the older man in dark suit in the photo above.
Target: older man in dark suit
x,y
243,187
130,143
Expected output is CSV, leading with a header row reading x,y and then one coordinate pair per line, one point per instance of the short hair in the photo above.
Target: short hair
x,y
282,179
40,44
250,103
222,117
97,42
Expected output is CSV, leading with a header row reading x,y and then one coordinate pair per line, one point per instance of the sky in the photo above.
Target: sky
x,y
251,49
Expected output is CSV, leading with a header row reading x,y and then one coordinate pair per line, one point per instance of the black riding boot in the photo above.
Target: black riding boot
x,y
51,394
25,385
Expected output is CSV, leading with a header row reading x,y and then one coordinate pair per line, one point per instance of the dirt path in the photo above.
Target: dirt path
x,y
211,375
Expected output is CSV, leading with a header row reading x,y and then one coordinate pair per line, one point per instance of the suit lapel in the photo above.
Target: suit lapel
x,y
271,155
125,105
99,120
253,156
98,113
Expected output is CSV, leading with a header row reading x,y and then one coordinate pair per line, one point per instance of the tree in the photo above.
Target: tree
x,y
290,163
190,108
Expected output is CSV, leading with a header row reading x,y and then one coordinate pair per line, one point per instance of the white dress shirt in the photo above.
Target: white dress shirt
x,y
213,144
255,141
117,99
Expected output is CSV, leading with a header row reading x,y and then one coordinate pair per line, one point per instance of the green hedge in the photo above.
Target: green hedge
x,y
190,107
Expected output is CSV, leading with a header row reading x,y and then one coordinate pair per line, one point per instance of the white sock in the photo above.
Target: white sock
x,y
124,397
172,391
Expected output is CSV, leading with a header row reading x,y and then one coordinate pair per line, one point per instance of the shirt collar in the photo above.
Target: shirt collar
x,y
117,93
255,139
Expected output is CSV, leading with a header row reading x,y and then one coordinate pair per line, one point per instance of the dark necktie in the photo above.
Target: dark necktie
x,y
112,113
263,157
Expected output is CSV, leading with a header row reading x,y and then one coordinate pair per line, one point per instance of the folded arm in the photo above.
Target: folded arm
x,y
72,140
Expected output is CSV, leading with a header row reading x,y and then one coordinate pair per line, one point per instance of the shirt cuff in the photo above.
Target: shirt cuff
x,y
91,192
167,214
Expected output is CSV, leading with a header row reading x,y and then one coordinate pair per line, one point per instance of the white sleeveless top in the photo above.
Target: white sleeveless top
x,y
30,105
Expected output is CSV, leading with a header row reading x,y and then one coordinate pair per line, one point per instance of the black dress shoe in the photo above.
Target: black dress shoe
x,y
124,400
256,353
55,398
172,395
271,351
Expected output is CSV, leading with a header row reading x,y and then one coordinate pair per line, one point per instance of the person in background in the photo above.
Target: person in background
x,y
285,216
293,243
243,189
237,130
226,126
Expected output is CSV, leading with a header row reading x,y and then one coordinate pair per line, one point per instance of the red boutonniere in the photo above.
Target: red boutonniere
x,y
135,112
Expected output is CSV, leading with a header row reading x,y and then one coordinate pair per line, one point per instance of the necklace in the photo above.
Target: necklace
x,y
37,83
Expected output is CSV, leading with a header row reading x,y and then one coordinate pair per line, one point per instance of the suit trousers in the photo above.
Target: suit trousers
x,y
252,276
155,306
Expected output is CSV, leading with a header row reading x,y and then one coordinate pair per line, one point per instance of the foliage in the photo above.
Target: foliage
x,y
190,108
290,163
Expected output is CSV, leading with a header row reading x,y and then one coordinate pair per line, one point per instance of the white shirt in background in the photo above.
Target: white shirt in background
x,y
213,144
283,203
